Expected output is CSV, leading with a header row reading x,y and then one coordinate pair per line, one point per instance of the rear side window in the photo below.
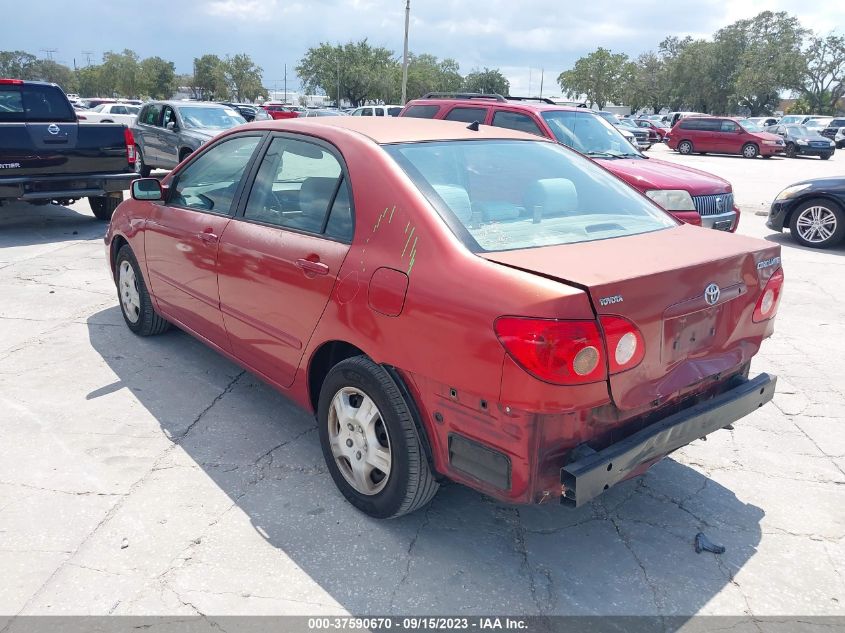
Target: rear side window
x,y
548,195
837,123
22,102
423,111
705,125
516,121
301,186
151,114
467,115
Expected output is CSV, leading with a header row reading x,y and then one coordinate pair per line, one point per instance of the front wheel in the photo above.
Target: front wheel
x,y
750,150
370,442
135,302
685,147
791,150
826,156
103,206
817,223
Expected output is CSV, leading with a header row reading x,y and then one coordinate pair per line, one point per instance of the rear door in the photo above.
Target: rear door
x,y
280,258
515,120
182,235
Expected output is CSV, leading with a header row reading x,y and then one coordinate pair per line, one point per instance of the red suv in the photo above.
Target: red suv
x,y
692,196
722,135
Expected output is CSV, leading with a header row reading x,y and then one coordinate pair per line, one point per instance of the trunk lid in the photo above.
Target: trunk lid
x,y
658,281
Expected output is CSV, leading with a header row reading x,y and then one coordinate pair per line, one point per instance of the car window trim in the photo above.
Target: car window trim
x,y
197,155
252,173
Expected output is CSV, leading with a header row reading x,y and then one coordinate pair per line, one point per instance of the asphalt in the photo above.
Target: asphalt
x,y
154,477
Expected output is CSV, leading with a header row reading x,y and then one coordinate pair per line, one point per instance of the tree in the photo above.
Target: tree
x,y
89,82
16,64
599,76
645,83
355,69
428,74
209,78
488,80
54,72
760,57
158,78
244,78
822,82
120,74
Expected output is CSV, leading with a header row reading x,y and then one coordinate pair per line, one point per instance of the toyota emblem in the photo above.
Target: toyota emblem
x,y
711,294
53,129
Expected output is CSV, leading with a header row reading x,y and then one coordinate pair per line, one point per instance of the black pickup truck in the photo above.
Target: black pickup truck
x,y
47,156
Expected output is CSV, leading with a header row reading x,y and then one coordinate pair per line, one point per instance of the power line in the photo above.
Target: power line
x,y
49,52
88,56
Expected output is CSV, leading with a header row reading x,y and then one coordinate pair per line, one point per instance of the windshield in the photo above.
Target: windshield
x,y
797,130
589,134
750,126
546,196
210,117
817,124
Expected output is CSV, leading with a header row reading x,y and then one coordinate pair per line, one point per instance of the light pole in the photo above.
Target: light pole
x,y
405,58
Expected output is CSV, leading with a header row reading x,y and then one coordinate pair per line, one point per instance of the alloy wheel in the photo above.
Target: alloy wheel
x,y
816,224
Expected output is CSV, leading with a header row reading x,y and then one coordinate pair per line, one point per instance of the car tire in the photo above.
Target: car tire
x,y
133,297
829,220
826,156
103,206
685,147
141,168
750,150
791,150
353,452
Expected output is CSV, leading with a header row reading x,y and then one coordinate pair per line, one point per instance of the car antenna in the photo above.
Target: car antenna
x,y
473,126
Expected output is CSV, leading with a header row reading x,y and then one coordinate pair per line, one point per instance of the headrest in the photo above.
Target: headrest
x,y
555,195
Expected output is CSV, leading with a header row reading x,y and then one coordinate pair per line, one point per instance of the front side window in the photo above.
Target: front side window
x,y
516,121
209,182
296,186
730,126
394,111
168,117
589,134
546,195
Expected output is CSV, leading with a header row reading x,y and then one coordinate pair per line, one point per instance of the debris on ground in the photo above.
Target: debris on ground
x,y
704,544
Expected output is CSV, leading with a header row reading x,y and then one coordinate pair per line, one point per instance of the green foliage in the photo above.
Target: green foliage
x,y
600,77
428,74
17,64
359,71
823,75
488,80
209,80
158,78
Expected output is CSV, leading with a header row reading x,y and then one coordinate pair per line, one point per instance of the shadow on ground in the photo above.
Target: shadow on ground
x,y
25,224
629,553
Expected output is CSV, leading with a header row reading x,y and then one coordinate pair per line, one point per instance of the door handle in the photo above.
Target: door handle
x,y
315,268
208,237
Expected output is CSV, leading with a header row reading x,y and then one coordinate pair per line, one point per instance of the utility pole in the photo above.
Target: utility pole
x,y
88,56
542,72
337,100
49,52
405,58
286,83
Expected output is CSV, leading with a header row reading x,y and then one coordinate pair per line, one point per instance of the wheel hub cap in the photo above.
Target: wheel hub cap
x,y
816,224
127,288
359,441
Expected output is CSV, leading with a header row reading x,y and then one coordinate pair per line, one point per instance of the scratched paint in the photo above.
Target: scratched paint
x,y
408,241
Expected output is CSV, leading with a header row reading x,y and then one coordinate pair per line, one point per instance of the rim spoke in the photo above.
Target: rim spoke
x,y
379,458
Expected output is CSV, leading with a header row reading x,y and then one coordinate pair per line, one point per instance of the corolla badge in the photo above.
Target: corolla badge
x,y
711,294
53,129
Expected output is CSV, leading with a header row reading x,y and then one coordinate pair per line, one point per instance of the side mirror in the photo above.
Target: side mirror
x,y
172,126
147,189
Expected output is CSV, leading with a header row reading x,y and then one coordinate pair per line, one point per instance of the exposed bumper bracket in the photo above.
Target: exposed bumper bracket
x,y
592,474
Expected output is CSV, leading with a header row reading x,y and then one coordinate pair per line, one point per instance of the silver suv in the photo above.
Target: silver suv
x,y
166,132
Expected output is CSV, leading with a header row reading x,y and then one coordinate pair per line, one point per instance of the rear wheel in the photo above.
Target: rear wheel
x,y
750,150
817,223
103,206
135,302
685,147
370,442
141,167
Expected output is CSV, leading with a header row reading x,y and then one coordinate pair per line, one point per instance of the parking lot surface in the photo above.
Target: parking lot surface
x,y
153,476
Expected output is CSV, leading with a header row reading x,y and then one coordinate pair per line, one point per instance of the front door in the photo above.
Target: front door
x,y
182,236
730,140
279,259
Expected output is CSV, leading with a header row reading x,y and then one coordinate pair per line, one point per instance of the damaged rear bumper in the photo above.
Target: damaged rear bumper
x,y
594,472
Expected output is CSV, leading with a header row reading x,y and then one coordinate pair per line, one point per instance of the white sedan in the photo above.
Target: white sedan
x,y
110,113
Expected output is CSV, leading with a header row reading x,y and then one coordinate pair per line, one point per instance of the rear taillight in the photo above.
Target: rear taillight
x,y
15,82
560,352
767,304
625,343
130,145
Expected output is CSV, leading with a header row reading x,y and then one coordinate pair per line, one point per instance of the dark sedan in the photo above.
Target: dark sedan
x,y
802,141
813,210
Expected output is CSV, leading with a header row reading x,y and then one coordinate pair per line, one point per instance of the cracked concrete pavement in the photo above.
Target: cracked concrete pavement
x,y
152,476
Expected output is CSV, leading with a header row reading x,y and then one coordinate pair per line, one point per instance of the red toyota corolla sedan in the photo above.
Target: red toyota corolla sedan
x,y
453,302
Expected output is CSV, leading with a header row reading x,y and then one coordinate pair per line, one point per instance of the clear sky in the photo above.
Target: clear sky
x,y
519,37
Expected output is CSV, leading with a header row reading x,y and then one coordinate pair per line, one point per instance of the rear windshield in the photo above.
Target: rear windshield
x,y
499,195
34,103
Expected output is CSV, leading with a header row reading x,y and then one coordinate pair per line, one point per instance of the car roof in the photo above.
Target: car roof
x,y
395,129
532,106
188,102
